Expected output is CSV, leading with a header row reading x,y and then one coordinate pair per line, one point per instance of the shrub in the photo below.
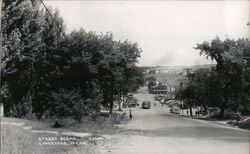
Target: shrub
x,y
244,124
66,103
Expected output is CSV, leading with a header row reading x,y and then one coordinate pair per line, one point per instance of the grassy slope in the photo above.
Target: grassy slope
x,y
16,140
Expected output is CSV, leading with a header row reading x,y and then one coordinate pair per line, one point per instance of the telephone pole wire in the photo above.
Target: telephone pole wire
x,y
57,24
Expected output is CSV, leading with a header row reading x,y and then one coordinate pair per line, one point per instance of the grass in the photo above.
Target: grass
x,y
103,124
244,124
20,141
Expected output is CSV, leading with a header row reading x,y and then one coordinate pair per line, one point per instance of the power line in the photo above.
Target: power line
x,y
52,17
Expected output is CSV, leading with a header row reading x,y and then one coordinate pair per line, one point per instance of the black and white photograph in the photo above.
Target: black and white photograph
x,y
125,76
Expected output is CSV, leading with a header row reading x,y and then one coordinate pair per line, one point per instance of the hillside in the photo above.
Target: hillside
x,y
172,75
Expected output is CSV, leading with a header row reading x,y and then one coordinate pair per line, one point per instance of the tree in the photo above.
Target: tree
x,y
117,68
151,82
22,29
195,92
188,96
48,65
43,66
228,77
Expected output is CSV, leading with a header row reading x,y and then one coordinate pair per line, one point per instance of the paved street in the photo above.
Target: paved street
x,y
155,131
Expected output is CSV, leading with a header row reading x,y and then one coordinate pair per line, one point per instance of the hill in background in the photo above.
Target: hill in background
x,y
172,75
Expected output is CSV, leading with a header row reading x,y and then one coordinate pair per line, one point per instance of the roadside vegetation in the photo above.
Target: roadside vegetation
x,y
225,86
59,80
17,140
49,74
216,91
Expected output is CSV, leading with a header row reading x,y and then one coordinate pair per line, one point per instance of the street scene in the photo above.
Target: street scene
x,y
124,77
156,130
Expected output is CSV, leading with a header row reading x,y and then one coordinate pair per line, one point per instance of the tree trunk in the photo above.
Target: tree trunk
x,y
222,110
190,108
170,89
120,105
120,101
205,108
111,101
111,107
8,106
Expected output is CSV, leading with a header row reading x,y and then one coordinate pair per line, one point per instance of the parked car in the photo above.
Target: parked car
x,y
213,111
131,102
158,98
175,110
173,102
146,104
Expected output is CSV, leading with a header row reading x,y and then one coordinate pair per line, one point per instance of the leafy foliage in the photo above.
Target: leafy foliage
x,y
224,86
50,73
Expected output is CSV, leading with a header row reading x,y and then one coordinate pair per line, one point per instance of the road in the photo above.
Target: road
x,y
155,131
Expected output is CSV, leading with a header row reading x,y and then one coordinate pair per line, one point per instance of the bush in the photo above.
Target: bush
x,y
66,103
63,122
23,108
229,114
244,124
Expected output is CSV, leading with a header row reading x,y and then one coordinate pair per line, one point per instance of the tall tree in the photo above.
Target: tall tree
x,y
228,78
22,29
43,66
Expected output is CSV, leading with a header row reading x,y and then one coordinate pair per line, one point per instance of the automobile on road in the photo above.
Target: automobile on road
x,y
133,104
146,104
158,97
175,110
130,102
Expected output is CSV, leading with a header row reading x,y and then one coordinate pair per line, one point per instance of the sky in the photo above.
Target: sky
x,y
166,31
